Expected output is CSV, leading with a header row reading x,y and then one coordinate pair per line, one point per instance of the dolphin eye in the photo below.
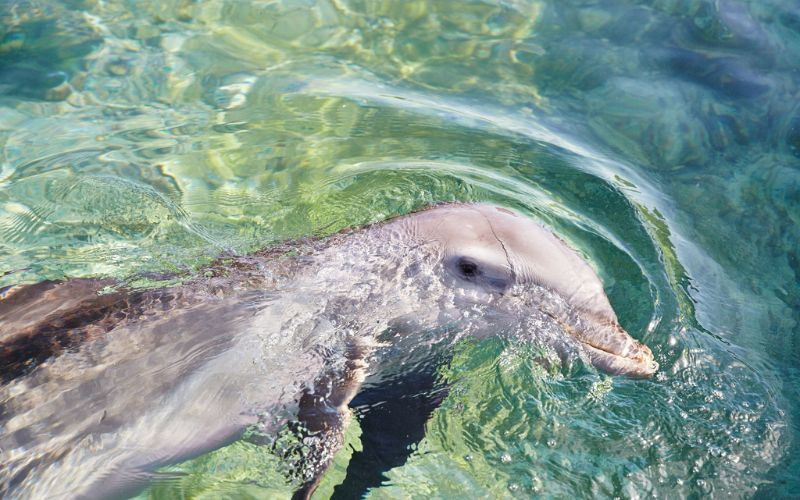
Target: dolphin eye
x,y
486,275
468,268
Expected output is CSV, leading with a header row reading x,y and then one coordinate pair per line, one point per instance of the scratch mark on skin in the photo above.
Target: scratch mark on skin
x,y
505,251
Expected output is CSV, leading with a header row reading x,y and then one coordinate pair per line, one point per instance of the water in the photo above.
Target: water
x,y
662,139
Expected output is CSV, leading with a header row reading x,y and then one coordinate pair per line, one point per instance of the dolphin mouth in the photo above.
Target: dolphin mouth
x,y
635,360
610,348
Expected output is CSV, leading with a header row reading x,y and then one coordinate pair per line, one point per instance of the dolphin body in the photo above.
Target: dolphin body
x,y
101,389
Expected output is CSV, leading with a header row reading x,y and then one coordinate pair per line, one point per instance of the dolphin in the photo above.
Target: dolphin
x,y
102,385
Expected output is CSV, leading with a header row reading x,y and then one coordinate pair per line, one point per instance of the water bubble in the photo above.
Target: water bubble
x,y
505,458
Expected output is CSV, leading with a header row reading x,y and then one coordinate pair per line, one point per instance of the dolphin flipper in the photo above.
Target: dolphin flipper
x,y
404,400
324,414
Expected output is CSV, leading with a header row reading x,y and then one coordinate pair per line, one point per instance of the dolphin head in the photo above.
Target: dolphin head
x,y
493,253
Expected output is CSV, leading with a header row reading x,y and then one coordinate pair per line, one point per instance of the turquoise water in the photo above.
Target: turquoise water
x,y
662,139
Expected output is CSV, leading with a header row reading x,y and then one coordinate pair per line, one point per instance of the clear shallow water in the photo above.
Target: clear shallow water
x,y
660,139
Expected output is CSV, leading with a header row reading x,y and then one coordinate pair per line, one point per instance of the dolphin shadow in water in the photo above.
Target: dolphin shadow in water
x,y
393,421
101,385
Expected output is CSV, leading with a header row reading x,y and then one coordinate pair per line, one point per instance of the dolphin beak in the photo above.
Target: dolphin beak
x,y
612,350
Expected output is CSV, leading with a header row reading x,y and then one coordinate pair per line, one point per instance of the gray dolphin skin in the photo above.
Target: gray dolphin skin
x,y
102,385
